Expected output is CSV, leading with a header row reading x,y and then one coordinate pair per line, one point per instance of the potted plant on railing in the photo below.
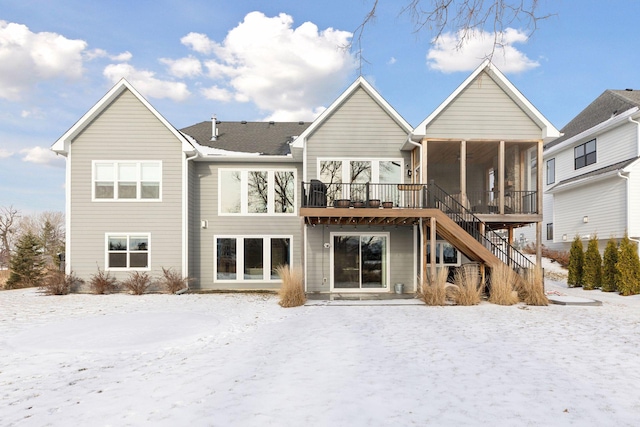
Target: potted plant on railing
x,y
387,205
374,203
342,203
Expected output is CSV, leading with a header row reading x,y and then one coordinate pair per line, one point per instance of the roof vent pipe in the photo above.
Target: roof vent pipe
x,y
214,128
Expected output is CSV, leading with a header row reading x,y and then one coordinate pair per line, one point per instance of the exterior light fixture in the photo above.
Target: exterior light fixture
x,y
585,219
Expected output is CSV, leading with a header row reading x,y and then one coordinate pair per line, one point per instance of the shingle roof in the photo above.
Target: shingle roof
x,y
268,138
609,104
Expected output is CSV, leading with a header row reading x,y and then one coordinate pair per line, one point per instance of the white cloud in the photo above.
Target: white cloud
x,y
279,68
27,57
5,153
392,60
199,43
101,53
41,156
183,67
33,113
216,93
448,56
307,114
146,82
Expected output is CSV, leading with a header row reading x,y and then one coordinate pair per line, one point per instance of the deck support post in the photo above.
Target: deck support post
x,y
501,178
432,242
463,172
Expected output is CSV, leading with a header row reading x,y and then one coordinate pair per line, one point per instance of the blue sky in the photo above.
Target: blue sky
x,y
256,60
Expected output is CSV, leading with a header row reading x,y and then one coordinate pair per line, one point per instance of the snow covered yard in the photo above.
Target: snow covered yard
x,y
241,360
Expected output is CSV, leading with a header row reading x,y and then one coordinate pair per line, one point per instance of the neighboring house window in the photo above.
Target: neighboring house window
x,y
248,192
124,180
127,251
585,154
250,258
550,231
551,171
446,254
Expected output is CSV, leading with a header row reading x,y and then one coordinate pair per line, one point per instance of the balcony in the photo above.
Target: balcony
x,y
316,194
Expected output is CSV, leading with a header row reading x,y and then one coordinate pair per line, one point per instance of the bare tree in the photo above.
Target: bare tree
x,y
464,17
48,227
8,227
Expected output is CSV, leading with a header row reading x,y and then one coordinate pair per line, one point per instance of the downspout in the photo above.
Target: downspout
x,y
422,260
185,221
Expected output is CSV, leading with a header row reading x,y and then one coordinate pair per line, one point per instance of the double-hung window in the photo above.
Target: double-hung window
x,y
127,251
127,180
551,171
256,192
585,154
250,258
446,254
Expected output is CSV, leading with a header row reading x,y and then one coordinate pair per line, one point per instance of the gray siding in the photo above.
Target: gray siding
x,y
483,111
205,207
126,130
359,128
401,263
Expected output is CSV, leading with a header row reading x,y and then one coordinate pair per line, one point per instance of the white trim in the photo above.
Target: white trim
x,y
115,198
387,287
128,235
62,145
360,82
67,204
549,132
266,256
244,192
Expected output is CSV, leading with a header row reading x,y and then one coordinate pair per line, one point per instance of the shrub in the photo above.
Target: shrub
x,y
172,281
56,282
292,290
561,257
628,268
137,283
469,288
592,269
103,283
531,287
433,290
609,271
502,290
576,263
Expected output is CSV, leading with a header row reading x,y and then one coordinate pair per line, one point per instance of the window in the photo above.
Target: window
x,y
446,254
585,154
256,192
550,231
551,171
127,251
334,172
250,258
127,180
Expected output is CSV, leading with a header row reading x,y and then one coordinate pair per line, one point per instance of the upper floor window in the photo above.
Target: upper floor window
x,y
551,171
550,231
248,192
585,154
127,251
357,173
126,180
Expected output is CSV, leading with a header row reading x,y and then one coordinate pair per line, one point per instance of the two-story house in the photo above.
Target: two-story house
x,y
592,173
359,198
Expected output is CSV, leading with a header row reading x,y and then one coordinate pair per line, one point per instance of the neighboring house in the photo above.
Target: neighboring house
x,y
358,198
592,173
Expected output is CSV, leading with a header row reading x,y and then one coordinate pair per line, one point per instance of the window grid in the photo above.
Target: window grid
x,y
127,180
250,258
585,154
127,251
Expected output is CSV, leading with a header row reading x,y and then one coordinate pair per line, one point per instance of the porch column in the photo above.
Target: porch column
x,y
463,171
423,163
539,189
432,243
501,177
423,270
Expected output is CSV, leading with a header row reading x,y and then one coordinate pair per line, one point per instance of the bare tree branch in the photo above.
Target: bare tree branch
x,y
8,227
462,17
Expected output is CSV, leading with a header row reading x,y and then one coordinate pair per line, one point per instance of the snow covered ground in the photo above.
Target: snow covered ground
x,y
241,360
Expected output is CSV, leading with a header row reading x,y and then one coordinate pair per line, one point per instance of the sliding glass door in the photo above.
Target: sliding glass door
x,y
359,261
